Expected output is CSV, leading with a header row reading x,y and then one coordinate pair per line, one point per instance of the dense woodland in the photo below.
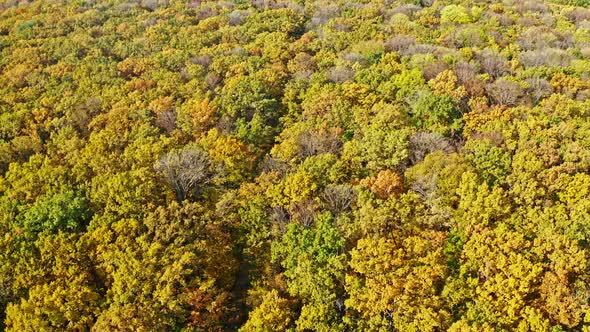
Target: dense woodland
x,y
294,165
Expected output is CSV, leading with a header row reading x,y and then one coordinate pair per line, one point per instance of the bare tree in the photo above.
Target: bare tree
x,y
547,19
194,4
504,92
527,21
532,6
565,40
503,19
536,38
270,164
426,186
538,89
409,10
354,57
338,198
302,65
579,15
549,57
323,14
583,95
202,60
262,4
431,70
212,80
152,5
316,142
187,171
340,74
280,217
205,12
419,49
399,43
304,211
166,120
423,143
493,64
81,115
465,72
237,17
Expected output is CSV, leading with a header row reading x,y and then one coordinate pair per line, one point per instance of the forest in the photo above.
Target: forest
x,y
295,165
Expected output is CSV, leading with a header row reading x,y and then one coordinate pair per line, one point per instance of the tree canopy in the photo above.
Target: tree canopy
x,y
289,165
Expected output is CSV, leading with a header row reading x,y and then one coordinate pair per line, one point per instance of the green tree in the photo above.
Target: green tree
x,y
314,269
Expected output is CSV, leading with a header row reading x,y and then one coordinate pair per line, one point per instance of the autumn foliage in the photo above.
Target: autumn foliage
x,y
257,165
